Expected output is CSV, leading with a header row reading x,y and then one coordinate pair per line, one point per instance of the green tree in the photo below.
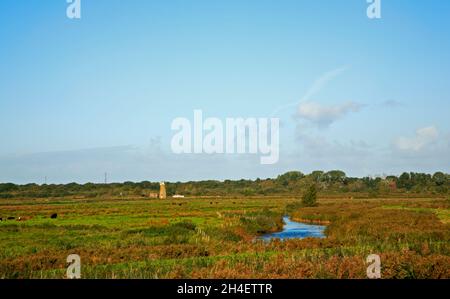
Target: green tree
x,y
317,175
8,187
335,176
309,199
404,181
288,177
439,178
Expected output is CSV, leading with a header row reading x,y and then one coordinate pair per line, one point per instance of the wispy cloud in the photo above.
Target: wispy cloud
x,y
315,88
391,104
321,82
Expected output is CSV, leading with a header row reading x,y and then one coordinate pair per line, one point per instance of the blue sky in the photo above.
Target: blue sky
x,y
81,97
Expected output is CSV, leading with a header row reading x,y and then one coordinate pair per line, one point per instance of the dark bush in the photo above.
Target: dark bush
x,y
309,199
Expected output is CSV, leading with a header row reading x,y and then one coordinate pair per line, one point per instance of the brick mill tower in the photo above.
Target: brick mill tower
x,y
162,191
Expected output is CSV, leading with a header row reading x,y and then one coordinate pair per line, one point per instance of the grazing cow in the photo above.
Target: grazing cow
x,y
54,216
11,218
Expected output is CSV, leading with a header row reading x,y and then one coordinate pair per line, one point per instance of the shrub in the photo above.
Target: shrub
x,y
309,199
263,222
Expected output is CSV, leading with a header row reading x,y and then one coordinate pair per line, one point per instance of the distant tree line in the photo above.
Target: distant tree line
x,y
290,183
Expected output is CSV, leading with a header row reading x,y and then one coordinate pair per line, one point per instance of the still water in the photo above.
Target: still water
x,y
296,230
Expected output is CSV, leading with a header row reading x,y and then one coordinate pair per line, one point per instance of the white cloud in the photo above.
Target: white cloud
x,y
423,138
324,116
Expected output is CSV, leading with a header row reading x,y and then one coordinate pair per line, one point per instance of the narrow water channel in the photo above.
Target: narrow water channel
x,y
296,230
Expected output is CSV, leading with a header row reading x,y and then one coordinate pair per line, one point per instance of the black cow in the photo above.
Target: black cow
x,y
54,216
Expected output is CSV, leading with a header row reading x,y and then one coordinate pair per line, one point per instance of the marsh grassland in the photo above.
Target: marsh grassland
x,y
215,238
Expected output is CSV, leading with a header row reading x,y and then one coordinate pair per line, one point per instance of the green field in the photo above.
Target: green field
x,y
215,238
